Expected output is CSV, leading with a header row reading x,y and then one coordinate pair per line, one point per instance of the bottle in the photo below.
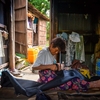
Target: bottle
x,y
62,65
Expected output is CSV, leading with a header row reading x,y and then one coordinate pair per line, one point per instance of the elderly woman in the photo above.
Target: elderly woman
x,y
47,66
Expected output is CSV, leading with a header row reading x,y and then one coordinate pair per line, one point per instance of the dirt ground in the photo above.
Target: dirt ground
x,y
26,73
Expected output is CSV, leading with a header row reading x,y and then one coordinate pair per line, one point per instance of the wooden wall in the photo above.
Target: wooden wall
x,y
21,26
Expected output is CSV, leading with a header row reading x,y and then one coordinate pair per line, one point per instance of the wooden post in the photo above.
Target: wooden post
x,y
12,38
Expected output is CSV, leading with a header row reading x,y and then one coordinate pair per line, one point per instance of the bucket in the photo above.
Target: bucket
x,y
32,54
98,67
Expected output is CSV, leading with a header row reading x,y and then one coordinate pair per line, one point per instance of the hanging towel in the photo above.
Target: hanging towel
x,y
79,50
34,27
1,45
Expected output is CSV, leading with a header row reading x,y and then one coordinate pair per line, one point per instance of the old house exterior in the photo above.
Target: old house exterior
x,y
39,26
15,21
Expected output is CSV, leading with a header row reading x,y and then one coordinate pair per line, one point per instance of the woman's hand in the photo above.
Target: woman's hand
x,y
56,67
53,67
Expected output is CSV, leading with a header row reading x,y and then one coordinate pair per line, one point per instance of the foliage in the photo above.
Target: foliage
x,y
48,30
42,5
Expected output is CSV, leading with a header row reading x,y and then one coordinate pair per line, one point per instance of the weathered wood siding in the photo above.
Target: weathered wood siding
x,y
20,26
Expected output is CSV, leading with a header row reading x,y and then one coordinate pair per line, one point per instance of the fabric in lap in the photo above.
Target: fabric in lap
x,y
30,88
25,87
62,77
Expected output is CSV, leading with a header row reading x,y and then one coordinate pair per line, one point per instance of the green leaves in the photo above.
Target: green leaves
x,y
42,5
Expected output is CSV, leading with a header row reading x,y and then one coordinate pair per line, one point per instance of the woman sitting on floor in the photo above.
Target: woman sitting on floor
x,y
47,66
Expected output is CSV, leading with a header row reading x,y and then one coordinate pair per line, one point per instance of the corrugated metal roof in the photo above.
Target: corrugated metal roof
x,y
37,12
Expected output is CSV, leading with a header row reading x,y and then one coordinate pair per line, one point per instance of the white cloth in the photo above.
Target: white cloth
x,y
44,58
34,28
1,46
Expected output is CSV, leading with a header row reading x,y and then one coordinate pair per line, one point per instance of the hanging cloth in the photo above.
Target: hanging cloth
x,y
70,49
1,45
79,50
34,27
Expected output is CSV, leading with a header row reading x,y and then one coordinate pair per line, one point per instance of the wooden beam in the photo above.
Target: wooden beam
x,y
12,38
20,43
17,8
20,32
20,20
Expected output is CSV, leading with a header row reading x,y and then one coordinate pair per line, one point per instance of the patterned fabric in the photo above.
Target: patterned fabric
x,y
74,84
70,51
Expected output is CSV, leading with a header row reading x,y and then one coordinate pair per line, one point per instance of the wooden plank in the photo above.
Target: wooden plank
x,y
20,3
20,7
19,32
20,43
20,26
20,48
20,38
20,15
20,20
